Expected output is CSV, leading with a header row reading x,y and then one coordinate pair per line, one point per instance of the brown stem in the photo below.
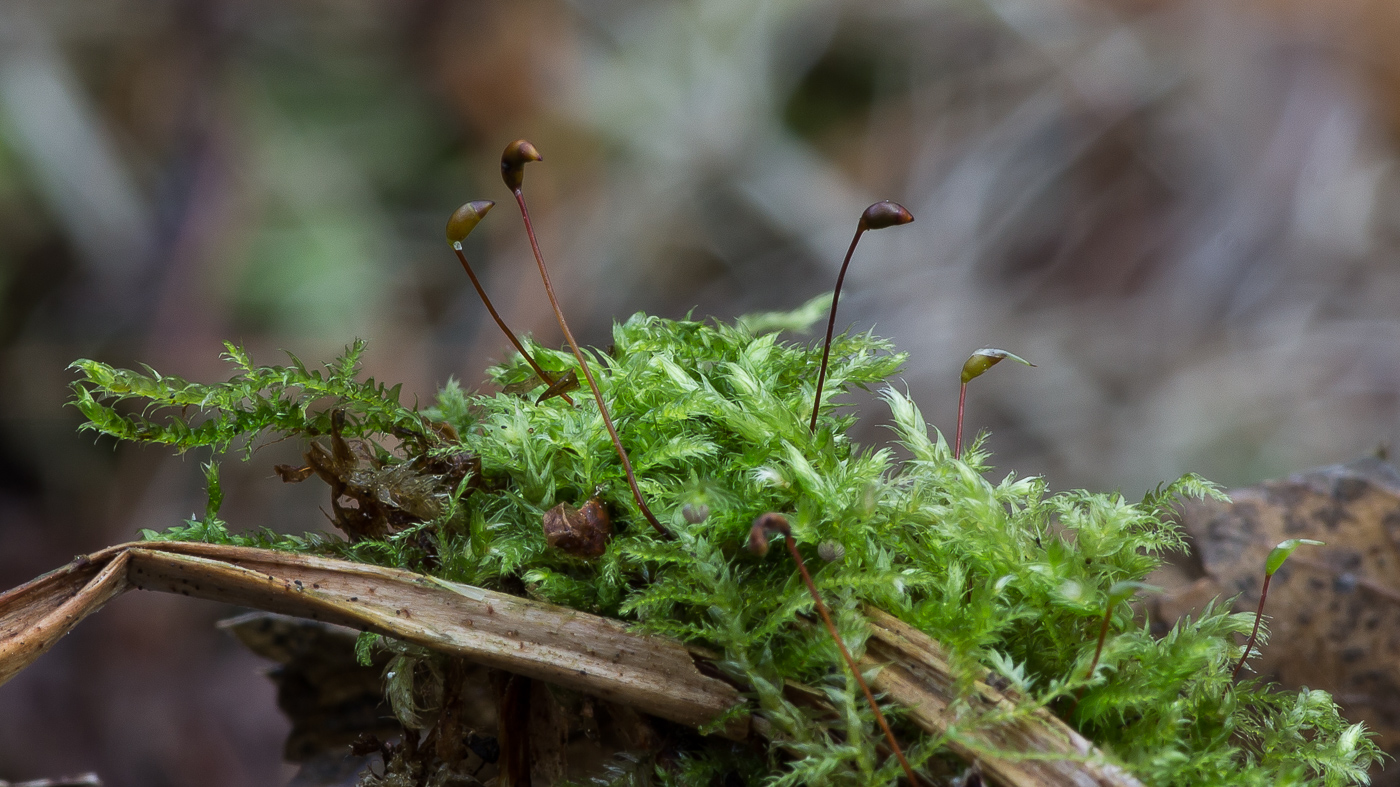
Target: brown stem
x,y
583,364
545,376
1263,594
831,322
513,729
962,400
758,542
876,217
1103,633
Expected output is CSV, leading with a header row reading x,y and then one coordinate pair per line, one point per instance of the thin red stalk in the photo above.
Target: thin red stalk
x,y
831,323
850,662
1258,615
1103,634
583,364
962,400
504,328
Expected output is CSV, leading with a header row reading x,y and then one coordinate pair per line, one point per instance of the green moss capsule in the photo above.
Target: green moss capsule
x,y
465,219
517,154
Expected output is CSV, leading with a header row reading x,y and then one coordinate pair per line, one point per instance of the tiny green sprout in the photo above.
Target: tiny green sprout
x,y
876,217
1272,564
976,364
831,551
758,544
695,513
1118,592
517,154
459,226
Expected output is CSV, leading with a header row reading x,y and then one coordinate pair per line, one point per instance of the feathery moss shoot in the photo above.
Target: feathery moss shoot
x,y
1005,574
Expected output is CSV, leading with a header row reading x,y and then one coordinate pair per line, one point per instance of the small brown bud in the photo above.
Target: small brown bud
x,y
695,513
513,161
365,744
830,551
291,474
581,532
465,219
885,214
758,534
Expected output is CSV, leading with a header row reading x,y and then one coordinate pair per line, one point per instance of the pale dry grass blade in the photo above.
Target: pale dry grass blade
x,y
918,676
562,646
37,614
565,647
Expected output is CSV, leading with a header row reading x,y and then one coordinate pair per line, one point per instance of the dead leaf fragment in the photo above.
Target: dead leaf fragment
x,y
1334,611
581,532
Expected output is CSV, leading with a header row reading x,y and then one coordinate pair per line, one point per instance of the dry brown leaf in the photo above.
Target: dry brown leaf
x,y
1333,612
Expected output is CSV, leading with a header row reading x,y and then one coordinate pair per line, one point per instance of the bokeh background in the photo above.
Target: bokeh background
x,y
1184,211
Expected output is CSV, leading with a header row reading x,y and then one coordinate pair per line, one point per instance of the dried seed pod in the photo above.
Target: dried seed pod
x,y
464,219
830,551
695,513
758,534
517,154
581,532
885,214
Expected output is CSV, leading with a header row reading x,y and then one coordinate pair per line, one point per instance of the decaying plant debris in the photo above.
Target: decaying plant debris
x,y
566,648
1011,582
1337,623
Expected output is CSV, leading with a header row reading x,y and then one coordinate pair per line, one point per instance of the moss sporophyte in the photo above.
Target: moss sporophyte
x,y
639,506
1272,564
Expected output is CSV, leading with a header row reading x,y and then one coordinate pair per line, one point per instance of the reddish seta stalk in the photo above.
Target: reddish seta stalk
x,y
976,364
758,544
876,217
517,154
459,226
1103,634
1272,564
1258,615
962,400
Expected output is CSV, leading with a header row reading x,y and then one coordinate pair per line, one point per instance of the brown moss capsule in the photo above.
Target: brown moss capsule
x,y
885,214
465,219
758,534
876,217
581,532
513,161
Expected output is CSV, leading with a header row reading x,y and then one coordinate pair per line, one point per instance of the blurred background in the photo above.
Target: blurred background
x,y
1184,211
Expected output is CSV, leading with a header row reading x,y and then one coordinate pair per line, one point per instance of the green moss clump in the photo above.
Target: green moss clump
x,y
1003,573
